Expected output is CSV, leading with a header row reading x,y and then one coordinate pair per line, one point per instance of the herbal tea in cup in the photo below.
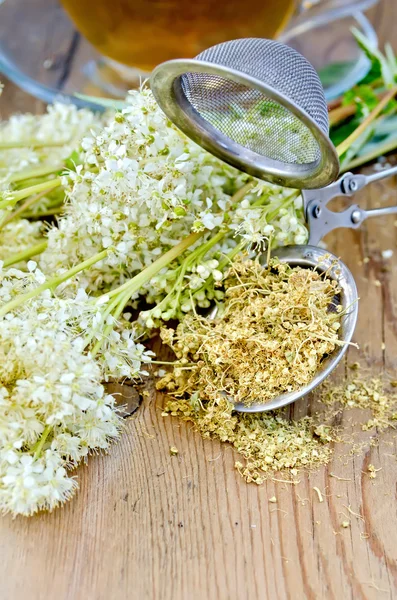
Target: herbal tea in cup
x,y
144,33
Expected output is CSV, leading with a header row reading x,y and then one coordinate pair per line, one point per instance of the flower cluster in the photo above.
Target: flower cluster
x,y
28,140
19,235
53,407
141,187
279,217
137,190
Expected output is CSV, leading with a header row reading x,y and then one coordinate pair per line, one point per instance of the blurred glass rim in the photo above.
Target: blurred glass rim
x,y
316,16
322,12
39,90
303,26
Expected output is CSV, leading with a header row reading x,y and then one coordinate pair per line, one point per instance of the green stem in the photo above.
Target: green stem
x,y
33,173
193,256
52,284
115,314
25,254
158,264
205,248
37,448
345,145
32,143
239,195
15,197
47,213
284,204
231,254
222,264
104,316
124,292
21,209
380,150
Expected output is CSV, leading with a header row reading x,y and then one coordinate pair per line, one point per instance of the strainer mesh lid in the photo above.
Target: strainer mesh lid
x,y
249,117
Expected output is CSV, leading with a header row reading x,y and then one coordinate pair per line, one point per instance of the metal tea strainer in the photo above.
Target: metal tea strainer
x,y
321,221
256,104
259,106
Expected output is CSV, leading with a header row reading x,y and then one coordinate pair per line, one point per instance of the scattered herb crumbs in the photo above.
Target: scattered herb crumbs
x,y
339,478
372,470
345,524
319,494
368,393
269,441
354,513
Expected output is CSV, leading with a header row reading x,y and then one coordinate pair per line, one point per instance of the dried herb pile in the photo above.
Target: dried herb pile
x,y
269,337
270,442
372,394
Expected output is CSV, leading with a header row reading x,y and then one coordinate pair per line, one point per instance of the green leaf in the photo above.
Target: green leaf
x,y
339,133
379,63
364,97
73,160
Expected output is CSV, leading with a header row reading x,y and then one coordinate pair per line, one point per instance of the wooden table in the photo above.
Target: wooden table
x,y
147,525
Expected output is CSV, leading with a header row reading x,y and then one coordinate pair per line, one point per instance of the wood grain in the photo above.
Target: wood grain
x,y
145,524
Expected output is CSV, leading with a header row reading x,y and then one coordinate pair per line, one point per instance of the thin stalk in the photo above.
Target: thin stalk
x,y
124,292
342,112
25,254
345,145
158,264
40,444
47,213
369,156
285,203
53,283
220,235
239,195
225,261
32,143
108,329
111,306
33,173
21,209
15,197
201,250
230,255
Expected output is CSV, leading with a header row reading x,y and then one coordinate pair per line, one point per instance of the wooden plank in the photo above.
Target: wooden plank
x,y
145,524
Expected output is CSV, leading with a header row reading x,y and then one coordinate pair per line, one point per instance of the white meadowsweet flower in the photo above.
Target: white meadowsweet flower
x,y
148,187
62,123
53,407
19,235
136,186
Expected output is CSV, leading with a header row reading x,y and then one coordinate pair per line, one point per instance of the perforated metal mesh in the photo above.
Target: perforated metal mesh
x,y
246,115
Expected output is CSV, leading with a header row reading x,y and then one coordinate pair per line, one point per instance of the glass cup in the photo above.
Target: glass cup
x,y
42,52
136,35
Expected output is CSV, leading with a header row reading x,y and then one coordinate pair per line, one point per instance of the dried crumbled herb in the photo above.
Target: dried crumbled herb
x,y
268,311
365,393
269,337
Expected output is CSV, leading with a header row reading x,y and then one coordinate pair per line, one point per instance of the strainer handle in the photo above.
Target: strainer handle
x,y
321,220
